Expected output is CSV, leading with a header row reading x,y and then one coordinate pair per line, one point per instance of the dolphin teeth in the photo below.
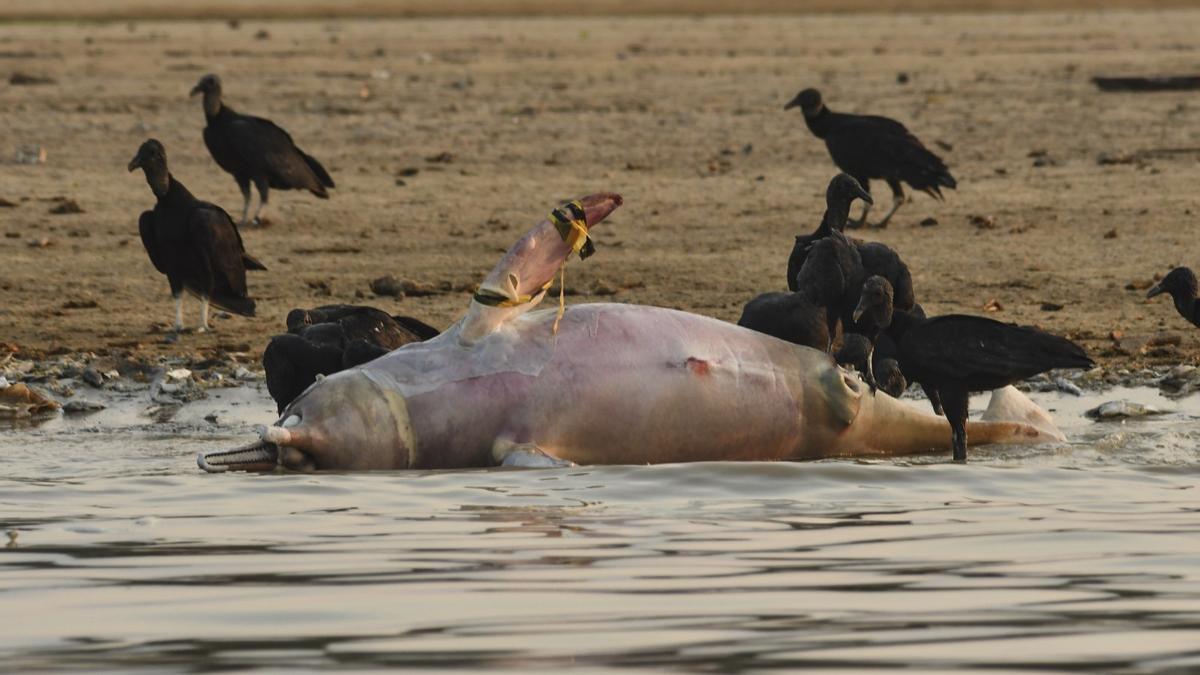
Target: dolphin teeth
x,y
257,453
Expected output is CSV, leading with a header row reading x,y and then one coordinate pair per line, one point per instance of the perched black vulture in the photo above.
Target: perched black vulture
x,y
256,150
1181,284
869,146
831,277
194,243
955,354
330,339
787,316
874,258
839,194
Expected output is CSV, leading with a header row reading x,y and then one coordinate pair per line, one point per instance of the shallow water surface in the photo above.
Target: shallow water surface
x,y
122,555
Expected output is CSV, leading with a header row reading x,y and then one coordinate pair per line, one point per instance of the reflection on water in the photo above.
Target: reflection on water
x,y
123,556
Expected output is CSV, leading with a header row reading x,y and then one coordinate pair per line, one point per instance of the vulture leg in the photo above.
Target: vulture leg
x,y
862,220
954,402
244,186
898,198
178,312
264,190
203,315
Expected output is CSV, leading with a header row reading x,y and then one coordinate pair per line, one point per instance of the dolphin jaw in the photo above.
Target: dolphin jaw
x,y
258,455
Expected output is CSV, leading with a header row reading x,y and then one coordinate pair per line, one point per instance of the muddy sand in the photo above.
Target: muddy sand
x,y
449,137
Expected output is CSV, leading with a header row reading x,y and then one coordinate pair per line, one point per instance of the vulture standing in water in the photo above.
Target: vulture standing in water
x,y
194,243
330,339
255,150
869,146
956,354
1181,284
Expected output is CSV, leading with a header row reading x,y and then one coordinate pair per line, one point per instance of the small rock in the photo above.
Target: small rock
x,y
1111,234
389,286
408,171
902,78
441,158
40,242
79,406
928,222
1065,385
993,305
211,418
86,303
93,377
1122,409
5,204
242,373
179,374
66,206
604,288
262,34
25,79
1051,307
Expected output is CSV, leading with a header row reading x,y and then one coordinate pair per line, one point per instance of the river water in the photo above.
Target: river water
x,y
121,555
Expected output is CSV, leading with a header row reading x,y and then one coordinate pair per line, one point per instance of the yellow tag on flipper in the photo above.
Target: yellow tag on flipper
x,y
571,223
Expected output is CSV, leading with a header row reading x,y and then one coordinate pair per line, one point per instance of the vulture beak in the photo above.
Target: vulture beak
x,y
860,310
198,89
136,162
794,103
865,196
1156,289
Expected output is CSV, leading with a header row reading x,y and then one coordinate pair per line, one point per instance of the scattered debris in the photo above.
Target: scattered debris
x,y
993,305
1106,158
1148,84
25,79
982,222
1111,234
19,401
441,158
928,222
31,154
1051,307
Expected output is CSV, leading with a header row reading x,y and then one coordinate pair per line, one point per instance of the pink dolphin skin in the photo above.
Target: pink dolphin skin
x,y
616,384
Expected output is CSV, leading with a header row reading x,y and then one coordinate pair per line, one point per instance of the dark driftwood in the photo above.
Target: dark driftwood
x,y
1140,84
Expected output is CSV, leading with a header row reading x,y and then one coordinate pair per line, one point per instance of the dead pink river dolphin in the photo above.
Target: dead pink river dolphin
x,y
602,384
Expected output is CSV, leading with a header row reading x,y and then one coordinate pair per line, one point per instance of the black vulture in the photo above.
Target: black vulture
x,y
869,146
956,354
787,316
358,322
1181,284
831,277
194,243
858,351
874,258
256,150
839,194
330,339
